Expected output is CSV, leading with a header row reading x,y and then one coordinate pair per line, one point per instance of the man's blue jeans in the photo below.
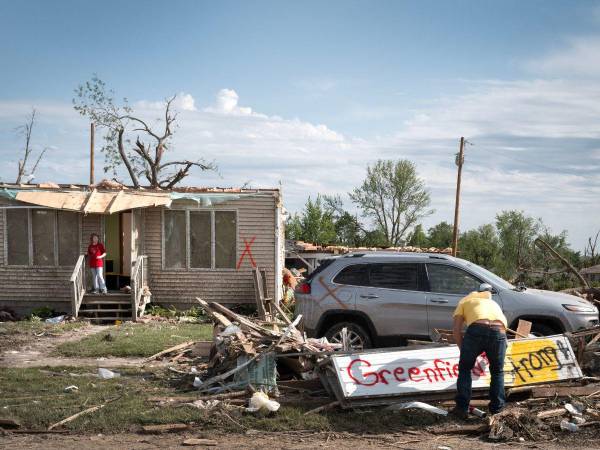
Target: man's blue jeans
x,y
479,339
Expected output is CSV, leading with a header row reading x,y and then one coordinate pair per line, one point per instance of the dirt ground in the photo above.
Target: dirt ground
x,y
264,440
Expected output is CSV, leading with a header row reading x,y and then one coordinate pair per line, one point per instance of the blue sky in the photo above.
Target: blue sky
x,y
310,92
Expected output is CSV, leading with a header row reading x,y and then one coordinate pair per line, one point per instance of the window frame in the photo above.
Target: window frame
x,y
422,281
30,238
426,269
188,240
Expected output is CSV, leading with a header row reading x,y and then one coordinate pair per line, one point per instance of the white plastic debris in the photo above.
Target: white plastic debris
x,y
197,382
205,404
106,374
57,319
230,330
260,400
419,405
193,370
578,420
71,388
573,410
566,425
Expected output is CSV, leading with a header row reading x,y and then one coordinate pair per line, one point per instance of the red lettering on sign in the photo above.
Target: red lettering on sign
x,y
414,371
365,375
382,376
398,372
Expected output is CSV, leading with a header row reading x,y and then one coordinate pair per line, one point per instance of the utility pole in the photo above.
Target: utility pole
x,y
460,159
91,153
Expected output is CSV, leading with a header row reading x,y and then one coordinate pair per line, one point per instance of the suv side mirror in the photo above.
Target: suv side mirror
x,y
483,287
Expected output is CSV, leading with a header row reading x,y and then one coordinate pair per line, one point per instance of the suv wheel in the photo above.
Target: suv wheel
x,y
357,336
541,329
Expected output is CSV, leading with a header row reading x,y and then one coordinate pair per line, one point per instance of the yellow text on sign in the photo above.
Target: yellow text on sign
x,y
534,361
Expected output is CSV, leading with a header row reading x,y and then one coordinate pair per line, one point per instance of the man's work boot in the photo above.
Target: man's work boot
x,y
459,413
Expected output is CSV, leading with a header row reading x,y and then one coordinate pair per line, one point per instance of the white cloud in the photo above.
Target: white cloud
x,y
227,103
578,57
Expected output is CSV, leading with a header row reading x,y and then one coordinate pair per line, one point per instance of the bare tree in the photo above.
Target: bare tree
x,y
590,250
145,156
26,130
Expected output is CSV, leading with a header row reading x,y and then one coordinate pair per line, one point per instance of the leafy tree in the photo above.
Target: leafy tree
x,y
314,224
517,233
418,238
145,157
481,246
440,235
393,197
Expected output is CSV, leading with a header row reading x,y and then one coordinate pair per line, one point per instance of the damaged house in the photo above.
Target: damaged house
x,y
165,246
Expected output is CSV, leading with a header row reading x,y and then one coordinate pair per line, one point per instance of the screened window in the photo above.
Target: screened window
x,y
17,236
354,275
225,239
200,233
200,239
175,239
395,276
451,280
68,237
52,236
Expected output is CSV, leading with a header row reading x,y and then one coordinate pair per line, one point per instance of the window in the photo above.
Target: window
x,y
354,275
68,238
175,243
225,241
200,239
451,280
200,233
42,237
17,236
395,276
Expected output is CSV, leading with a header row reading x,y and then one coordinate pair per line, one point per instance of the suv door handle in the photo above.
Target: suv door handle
x,y
369,296
439,300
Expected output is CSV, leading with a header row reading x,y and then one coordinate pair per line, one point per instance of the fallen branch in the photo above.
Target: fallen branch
x,y
326,407
568,265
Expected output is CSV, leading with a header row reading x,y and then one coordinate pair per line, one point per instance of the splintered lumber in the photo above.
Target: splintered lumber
x,y
166,428
282,313
551,413
199,441
213,314
75,416
563,391
169,350
243,321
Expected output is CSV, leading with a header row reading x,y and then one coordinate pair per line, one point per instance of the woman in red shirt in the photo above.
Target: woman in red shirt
x,y
96,254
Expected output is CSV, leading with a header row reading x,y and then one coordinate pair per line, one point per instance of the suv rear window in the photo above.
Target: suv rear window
x,y
354,275
395,276
322,266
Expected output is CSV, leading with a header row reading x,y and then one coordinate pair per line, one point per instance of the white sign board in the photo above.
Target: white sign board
x,y
379,373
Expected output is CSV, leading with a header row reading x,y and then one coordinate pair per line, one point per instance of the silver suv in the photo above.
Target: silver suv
x,y
384,297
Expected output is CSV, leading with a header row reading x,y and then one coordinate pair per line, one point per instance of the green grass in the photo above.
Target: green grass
x,y
36,398
36,327
130,339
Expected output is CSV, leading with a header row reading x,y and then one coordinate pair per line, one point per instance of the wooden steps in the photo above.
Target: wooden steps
x,y
110,307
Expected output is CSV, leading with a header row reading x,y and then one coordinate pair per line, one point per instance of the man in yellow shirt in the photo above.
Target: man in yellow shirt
x,y
486,332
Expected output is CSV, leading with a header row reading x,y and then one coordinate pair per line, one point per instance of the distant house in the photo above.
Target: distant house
x,y
591,274
178,244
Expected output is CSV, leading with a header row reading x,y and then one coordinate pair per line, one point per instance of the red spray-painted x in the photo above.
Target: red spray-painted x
x,y
247,251
331,292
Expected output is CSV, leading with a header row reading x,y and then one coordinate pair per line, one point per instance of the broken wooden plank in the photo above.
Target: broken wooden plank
x,y
563,391
75,416
523,328
326,407
165,428
197,441
551,413
243,321
169,350
213,314
282,313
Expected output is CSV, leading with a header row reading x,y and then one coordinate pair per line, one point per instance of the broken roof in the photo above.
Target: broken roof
x,y
108,197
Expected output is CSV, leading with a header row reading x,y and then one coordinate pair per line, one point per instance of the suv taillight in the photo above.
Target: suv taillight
x,y
303,288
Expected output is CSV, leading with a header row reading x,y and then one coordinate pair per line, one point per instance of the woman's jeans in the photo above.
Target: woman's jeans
x,y
479,339
98,279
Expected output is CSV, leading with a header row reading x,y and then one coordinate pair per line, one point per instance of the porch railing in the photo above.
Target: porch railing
x,y
139,281
78,284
